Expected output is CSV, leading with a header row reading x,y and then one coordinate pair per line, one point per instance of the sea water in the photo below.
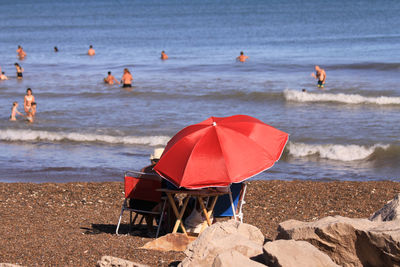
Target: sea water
x,y
88,131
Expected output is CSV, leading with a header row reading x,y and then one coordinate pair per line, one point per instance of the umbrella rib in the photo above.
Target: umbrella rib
x,y
188,160
222,152
197,144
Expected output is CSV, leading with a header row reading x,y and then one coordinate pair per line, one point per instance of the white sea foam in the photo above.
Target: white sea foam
x,y
33,135
299,96
333,152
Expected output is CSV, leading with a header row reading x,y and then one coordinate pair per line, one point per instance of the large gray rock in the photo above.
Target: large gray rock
x,y
349,242
289,253
222,237
389,212
234,259
109,261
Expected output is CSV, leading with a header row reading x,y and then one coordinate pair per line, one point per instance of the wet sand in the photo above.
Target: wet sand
x,y
73,224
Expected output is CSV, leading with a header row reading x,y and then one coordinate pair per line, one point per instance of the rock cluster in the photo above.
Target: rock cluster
x,y
349,242
223,237
331,241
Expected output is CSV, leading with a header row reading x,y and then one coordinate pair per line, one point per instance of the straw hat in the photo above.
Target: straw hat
x,y
156,153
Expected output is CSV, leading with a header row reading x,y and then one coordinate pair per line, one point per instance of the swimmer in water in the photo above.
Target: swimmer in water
x,y
32,112
55,49
126,79
21,53
242,57
110,79
91,51
14,112
320,75
163,55
20,70
3,76
28,100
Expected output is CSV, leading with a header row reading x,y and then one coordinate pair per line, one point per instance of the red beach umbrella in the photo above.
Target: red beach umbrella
x,y
220,151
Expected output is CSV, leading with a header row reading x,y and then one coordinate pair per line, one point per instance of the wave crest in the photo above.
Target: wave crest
x,y
333,151
299,96
33,135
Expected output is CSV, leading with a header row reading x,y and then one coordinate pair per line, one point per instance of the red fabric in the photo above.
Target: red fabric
x,y
142,188
221,151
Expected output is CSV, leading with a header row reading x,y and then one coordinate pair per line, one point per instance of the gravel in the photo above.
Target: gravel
x,y
73,224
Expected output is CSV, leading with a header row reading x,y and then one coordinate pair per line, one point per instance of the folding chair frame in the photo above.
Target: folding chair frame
x,y
125,207
241,202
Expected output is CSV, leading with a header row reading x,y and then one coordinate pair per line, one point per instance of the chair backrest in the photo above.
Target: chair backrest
x,y
142,186
223,206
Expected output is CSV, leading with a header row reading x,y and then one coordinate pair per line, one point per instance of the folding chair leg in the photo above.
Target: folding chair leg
x,y
141,220
120,216
130,221
233,207
134,218
161,218
242,202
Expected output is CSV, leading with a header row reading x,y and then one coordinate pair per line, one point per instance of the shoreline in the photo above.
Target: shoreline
x,y
74,223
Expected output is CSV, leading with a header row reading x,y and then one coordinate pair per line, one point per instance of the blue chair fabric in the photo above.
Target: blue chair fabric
x,y
223,206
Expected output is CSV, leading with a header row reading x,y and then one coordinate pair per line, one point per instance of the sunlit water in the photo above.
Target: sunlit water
x,y
88,131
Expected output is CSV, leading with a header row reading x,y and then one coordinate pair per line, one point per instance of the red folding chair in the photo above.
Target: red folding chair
x,y
141,196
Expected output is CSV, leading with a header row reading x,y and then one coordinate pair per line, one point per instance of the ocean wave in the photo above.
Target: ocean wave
x,y
334,151
242,95
34,135
367,66
299,96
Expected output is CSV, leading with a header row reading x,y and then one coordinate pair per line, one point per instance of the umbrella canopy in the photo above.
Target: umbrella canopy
x,y
220,151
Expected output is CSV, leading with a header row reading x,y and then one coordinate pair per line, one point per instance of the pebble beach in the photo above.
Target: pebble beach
x,y
73,224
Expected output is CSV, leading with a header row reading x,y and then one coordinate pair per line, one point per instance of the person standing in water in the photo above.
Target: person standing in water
x,y
320,75
21,53
126,79
110,79
3,76
163,55
242,57
14,112
19,69
31,113
28,100
91,51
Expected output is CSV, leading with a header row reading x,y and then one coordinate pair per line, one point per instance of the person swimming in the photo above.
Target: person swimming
x,y
3,76
91,51
163,55
56,49
242,57
21,53
126,79
110,79
20,70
